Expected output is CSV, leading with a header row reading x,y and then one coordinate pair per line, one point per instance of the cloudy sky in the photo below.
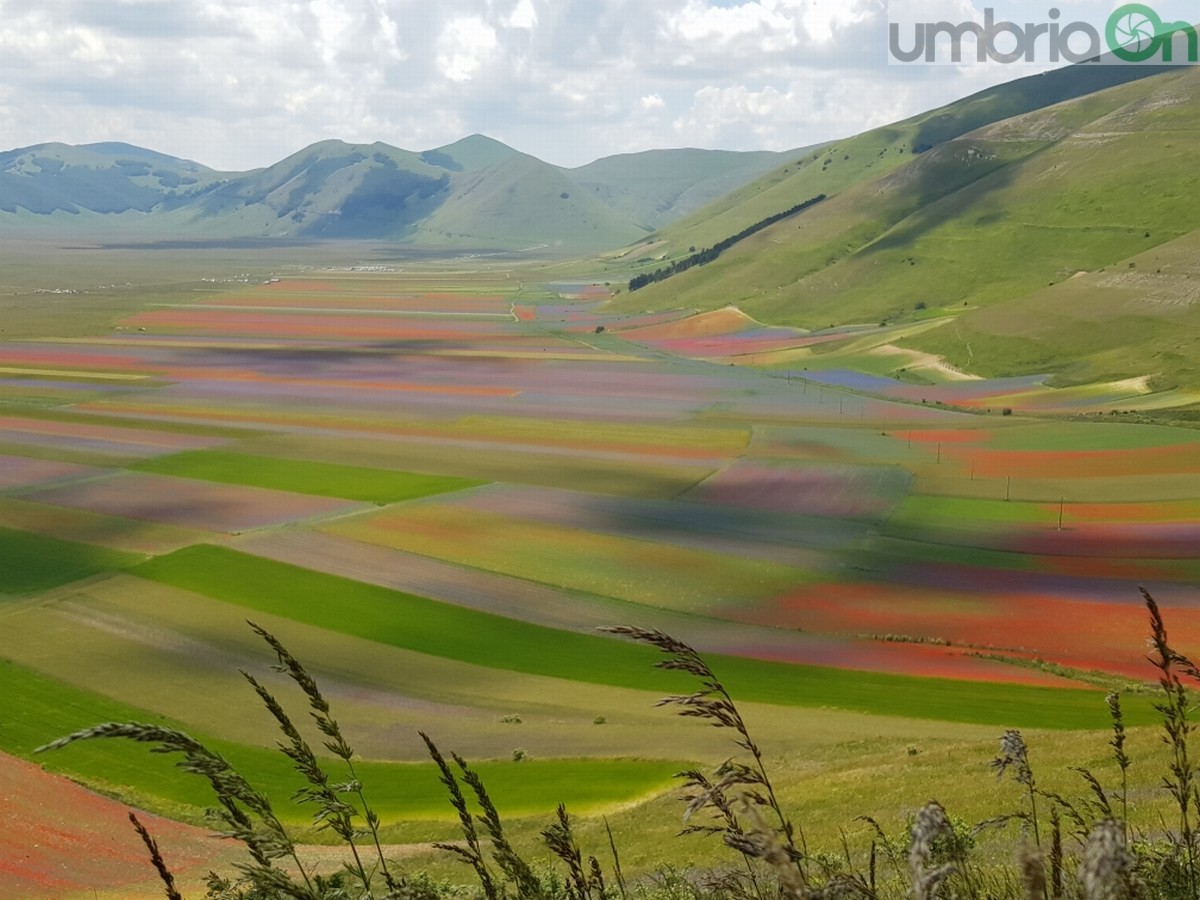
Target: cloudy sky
x,y
237,84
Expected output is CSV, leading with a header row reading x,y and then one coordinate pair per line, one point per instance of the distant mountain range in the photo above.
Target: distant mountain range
x,y
474,193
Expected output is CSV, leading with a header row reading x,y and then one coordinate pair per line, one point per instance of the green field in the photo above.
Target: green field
x,y
926,509
36,562
1052,436
324,479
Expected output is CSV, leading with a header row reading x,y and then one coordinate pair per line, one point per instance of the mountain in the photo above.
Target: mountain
x,y
656,187
328,190
839,165
475,193
101,178
470,154
530,204
1043,226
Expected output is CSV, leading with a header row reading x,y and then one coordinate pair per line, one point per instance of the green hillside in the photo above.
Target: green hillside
x,y
995,230
109,178
842,164
523,202
330,189
469,154
1137,318
655,187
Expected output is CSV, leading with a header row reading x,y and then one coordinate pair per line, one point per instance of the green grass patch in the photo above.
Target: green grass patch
x,y
579,471
908,546
35,562
1084,436
50,709
303,476
918,510
416,623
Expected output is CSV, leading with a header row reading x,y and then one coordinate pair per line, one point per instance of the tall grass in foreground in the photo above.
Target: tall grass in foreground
x,y
1089,849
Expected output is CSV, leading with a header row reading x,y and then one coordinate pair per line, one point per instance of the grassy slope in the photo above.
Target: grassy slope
x,y
987,220
950,210
519,203
322,479
842,164
1136,317
655,187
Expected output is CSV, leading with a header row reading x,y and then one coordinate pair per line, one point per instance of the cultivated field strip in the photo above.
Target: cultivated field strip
x,y
556,607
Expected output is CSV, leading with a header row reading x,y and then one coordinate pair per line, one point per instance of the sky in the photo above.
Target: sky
x,y
239,84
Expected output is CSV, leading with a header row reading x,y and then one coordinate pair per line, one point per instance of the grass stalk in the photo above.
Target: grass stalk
x,y
472,853
612,846
510,862
1173,709
156,860
1113,699
561,841
714,703
338,746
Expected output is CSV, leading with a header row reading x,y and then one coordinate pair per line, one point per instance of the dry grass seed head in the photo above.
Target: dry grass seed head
x,y
930,823
1107,871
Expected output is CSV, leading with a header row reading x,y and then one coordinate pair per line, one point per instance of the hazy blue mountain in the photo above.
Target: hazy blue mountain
x,y
473,193
102,178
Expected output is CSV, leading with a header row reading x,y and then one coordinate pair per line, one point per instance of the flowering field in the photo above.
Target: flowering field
x,y
58,839
455,478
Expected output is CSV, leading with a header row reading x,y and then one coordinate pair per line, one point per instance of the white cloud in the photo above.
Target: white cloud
x,y
824,19
242,83
523,15
465,45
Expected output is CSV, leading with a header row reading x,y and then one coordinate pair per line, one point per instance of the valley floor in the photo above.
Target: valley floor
x,y
434,486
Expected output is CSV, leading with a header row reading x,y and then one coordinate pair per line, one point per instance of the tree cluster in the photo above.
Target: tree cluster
x,y
708,254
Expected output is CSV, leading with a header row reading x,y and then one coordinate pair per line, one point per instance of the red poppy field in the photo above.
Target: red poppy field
x,y
59,840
